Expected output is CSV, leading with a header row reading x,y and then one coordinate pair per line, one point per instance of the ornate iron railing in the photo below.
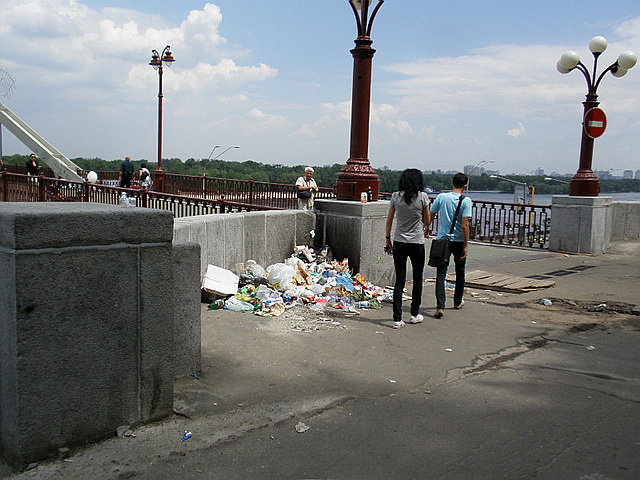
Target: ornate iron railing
x,y
25,188
492,222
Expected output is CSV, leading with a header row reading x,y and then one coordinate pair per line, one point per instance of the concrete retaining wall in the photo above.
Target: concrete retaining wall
x,y
266,237
87,296
626,220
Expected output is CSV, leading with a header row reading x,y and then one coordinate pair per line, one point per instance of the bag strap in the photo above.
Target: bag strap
x,y
455,215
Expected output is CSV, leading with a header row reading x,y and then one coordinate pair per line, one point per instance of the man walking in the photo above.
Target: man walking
x,y
444,206
126,173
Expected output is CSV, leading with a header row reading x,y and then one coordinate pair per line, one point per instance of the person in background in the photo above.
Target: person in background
x,y
126,173
307,188
409,207
33,168
145,176
444,206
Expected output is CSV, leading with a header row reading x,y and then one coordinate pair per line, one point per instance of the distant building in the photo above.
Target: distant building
x,y
473,170
539,172
627,174
637,176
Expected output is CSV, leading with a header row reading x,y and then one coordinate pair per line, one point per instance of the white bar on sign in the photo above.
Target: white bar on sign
x,y
595,123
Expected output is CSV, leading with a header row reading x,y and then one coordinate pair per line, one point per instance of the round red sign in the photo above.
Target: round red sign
x,y
595,122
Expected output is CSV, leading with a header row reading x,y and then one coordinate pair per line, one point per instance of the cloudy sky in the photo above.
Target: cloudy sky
x,y
454,83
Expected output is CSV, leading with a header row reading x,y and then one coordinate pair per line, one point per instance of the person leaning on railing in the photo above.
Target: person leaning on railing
x,y
307,188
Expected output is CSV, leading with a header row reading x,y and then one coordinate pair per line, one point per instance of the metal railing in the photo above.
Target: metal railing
x,y
25,188
492,222
508,223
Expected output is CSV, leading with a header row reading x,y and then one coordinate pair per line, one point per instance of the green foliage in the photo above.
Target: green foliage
x,y
326,175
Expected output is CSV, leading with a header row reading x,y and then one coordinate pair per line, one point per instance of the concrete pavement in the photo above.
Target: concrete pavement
x,y
505,388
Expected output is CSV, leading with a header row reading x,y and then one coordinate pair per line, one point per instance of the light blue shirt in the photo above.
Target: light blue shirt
x,y
445,206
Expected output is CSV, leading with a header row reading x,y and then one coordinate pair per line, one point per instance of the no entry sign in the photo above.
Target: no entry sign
x,y
595,122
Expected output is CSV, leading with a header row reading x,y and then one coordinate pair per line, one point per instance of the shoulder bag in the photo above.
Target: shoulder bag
x,y
440,251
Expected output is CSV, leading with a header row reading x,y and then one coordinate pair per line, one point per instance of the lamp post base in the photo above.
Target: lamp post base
x,y
158,180
356,178
584,184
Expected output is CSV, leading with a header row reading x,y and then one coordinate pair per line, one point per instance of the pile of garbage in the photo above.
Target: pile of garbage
x,y
307,279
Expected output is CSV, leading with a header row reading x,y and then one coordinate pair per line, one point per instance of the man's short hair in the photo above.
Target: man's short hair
x,y
459,180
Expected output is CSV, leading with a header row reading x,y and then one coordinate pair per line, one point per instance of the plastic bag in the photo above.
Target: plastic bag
x,y
264,293
252,267
346,281
280,273
236,305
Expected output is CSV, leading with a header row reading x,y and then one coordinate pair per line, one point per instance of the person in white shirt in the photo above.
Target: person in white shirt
x,y
307,188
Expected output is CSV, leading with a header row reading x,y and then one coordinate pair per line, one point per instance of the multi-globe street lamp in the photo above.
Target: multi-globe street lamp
x,y
357,176
158,60
585,183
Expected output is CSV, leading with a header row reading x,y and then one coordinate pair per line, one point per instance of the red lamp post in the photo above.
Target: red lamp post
x,y
157,62
357,176
584,183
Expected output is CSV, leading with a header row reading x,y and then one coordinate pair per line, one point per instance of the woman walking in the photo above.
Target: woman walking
x,y
410,208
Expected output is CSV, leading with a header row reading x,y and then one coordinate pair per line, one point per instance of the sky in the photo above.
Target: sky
x,y
454,83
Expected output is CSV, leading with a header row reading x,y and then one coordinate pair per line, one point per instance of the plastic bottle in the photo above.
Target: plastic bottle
x,y
363,197
123,200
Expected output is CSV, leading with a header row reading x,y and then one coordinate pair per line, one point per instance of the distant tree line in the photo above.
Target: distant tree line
x,y
326,175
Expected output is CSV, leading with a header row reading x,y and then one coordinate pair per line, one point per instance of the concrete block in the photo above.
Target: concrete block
x,y
580,224
86,325
186,297
256,245
356,231
233,241
625,220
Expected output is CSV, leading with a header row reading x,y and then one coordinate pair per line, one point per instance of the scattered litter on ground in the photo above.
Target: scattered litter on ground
x,y
301,427
125,431
448,349
307,279
546,302
196,376
591,347
187,435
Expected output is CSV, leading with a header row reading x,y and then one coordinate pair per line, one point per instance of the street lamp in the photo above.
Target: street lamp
x,y
479,165
551,179
585,183
157,62
357,176
209,158
515,193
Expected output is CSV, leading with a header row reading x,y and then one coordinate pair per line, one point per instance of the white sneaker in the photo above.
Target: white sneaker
x,y
459,307
417,319
399,324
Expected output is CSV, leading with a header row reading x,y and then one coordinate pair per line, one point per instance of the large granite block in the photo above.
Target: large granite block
x,y
86,323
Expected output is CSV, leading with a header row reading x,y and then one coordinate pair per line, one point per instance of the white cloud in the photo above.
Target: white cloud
x,y
264,121
518,131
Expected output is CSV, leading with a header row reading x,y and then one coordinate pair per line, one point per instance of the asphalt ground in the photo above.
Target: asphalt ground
x,y
504,388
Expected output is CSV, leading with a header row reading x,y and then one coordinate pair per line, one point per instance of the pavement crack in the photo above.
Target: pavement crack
x,y
491,361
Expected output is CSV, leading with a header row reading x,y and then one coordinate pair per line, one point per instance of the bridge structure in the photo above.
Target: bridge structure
x,y
61,166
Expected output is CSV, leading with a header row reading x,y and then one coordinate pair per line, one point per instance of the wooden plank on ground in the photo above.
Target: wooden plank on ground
x,y
501,282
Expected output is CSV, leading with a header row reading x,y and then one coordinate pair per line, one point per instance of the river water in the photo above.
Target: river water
x,y
544,198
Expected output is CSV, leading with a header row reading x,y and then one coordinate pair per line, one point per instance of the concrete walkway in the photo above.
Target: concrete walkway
x,y
504,388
